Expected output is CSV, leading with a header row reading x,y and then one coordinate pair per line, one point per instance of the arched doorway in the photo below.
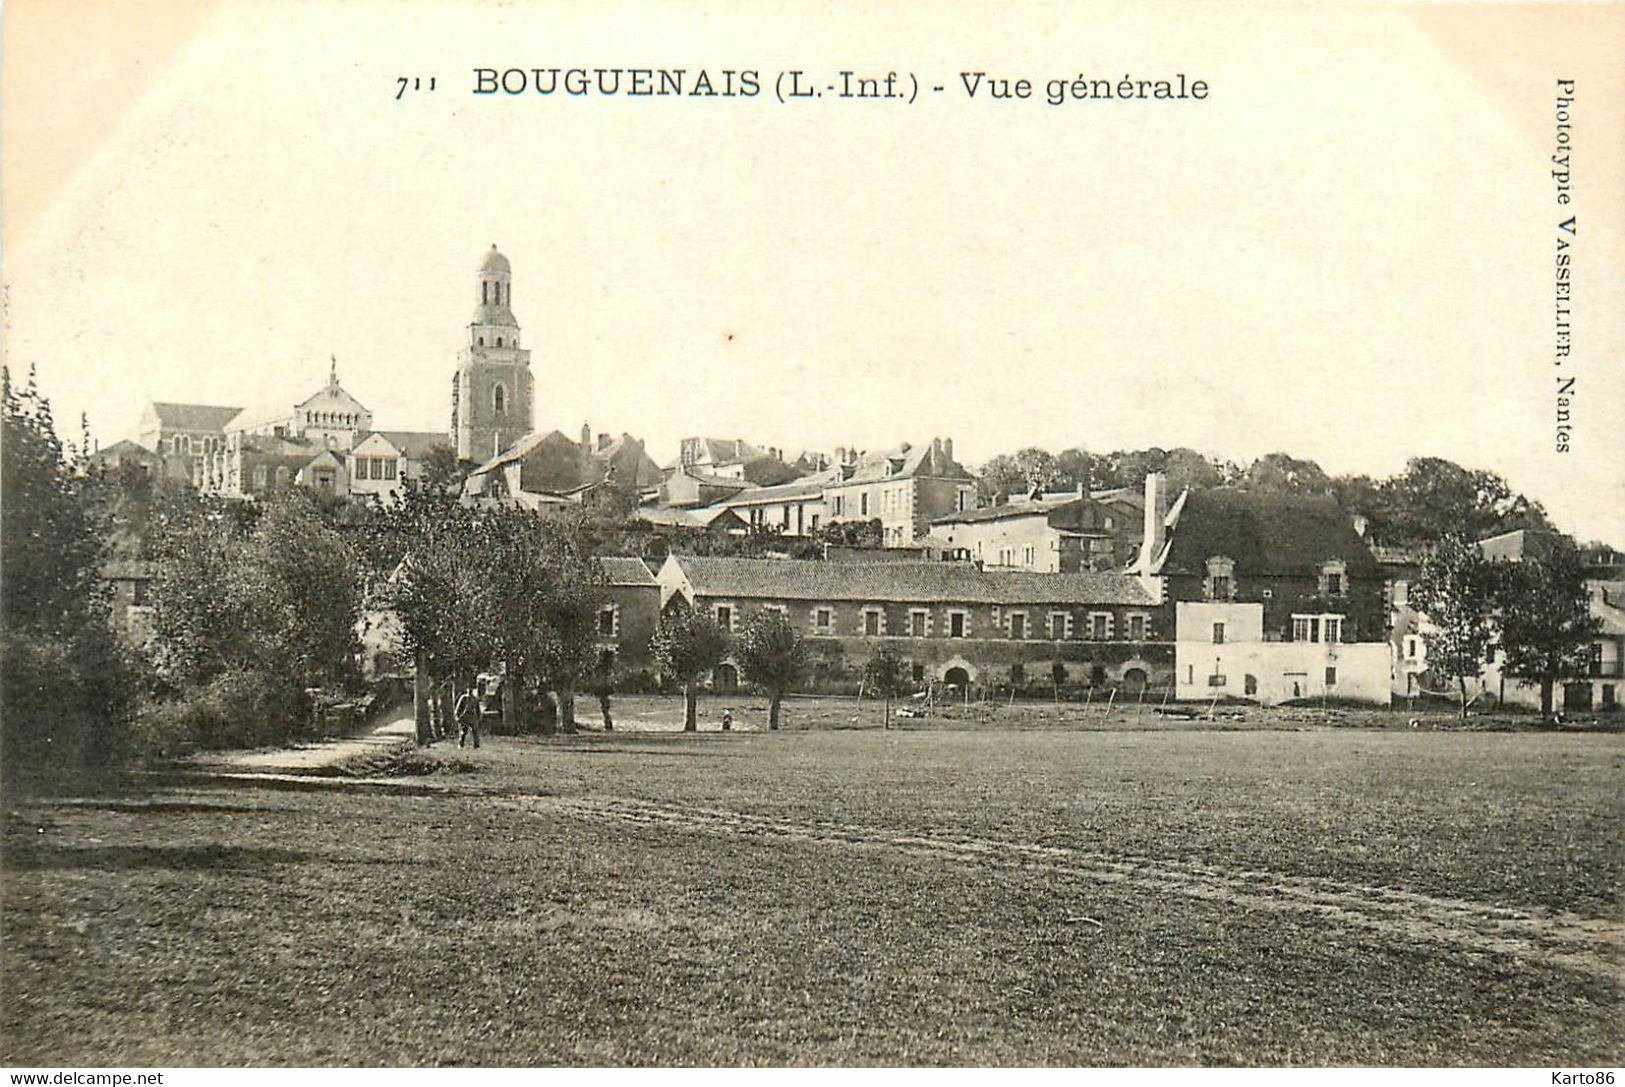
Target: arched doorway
x,y
725,680
956,677
1134,681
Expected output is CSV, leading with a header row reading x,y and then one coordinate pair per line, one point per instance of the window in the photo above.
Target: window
x,y
1334,628
1216,681
1608,696
485,292
956,624
1100,625
1305,628
1594,660
725,617
840,505
1220,578
499,398
1222,589
1057,625
1410,647
499,341
917,623
1218,633
1018,625
1331,677
1334,585
917,670
813,525
1106,524
1136,628
863,504
1018,675
824,620
481,341
389,467
606,621
871,622
261,476
138,596
1027,556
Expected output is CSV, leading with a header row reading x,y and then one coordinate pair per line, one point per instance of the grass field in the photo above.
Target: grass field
x,y
995,894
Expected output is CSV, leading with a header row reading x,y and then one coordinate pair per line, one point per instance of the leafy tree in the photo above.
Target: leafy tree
x,y
1455,590
774,656
1282,472
441,468
883,675
1544,618
685,646
250,611
1433,498
66,688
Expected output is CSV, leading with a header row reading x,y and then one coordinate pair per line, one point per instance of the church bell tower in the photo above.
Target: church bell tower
x,y
491,395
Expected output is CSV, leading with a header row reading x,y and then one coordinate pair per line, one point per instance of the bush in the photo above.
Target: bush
x,y
236,709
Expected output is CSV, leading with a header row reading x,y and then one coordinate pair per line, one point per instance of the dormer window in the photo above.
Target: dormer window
x,y
1334,578
1221,574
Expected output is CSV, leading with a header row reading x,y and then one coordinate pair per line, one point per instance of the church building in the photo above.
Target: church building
x,y
491,394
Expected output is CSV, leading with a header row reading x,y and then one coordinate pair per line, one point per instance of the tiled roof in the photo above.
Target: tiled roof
x,y
700,518
1265,533
122,448
626,571
800,489
193,416
1009,510
796,579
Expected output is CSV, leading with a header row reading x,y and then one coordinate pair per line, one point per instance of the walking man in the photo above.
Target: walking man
x,y
467,712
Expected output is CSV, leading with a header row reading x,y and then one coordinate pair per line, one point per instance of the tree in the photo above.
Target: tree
x,y
1282,472
1435,497
883,676
67,691
1455,591
1544,618
685,646
440,467
774,656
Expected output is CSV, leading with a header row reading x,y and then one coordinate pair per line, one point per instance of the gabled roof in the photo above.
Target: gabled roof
x,y
626,571
415,444
902,582
1265,534
906,461
193,416
123,448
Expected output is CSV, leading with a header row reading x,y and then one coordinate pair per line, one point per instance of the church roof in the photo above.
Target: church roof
x,y
495,261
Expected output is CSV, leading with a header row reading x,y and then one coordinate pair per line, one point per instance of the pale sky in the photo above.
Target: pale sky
x,y
1345,253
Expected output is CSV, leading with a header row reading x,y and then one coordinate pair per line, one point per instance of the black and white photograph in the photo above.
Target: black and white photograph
x,y
798,535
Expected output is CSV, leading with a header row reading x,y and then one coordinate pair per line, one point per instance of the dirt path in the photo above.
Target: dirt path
x,y
399,731
1556,939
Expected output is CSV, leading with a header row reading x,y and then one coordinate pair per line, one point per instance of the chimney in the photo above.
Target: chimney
x,y
586,437
840,454
1156,516
739,447
948,448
